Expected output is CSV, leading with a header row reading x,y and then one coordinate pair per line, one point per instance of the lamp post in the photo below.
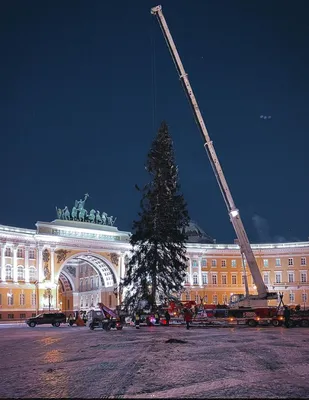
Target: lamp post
x,y
48,289
36,284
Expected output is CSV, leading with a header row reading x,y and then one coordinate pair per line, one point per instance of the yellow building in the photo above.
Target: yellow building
x,y
71,265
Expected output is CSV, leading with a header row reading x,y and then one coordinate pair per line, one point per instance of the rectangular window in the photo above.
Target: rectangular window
x,y
21,299
234,279
213,263
33,299
204,262
223,263
215,299
31,254
0,299
223,279
194,263
303,277
278,277
303,261
290,277
243,279
10,299
214,279
187,296
266,279
8,252
291,262
265,262
33,315
278,262
292,297
304,297
224,299
10,316
204,279
233,263
197,299
20,253
22,316
195,280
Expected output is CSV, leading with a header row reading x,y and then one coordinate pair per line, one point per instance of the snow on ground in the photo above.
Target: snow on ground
x,y
72,362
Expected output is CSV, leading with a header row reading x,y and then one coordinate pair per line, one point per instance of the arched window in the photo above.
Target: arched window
x,y
32,274
8,272
20,273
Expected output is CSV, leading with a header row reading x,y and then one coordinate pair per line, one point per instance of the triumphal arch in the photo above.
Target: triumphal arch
x,y
71,263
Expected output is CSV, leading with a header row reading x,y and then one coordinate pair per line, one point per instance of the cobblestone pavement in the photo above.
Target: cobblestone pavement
x,y
71,362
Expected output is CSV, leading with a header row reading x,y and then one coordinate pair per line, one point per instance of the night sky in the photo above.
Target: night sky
x,y
85,85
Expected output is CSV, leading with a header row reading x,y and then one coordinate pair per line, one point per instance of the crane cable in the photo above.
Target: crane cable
x,y
153,75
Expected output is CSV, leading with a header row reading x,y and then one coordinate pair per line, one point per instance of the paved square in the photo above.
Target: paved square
x,y
73,362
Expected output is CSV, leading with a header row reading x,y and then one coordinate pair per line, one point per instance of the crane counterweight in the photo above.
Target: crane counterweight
x,y
245,248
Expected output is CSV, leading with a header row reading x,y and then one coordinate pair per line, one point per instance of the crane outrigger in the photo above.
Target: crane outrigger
x,y
262,297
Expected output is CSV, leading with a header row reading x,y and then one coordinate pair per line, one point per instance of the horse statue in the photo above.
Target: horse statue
x,y
82,215
104,216
59,212
98,219
66,213
91,216
74,213
110,220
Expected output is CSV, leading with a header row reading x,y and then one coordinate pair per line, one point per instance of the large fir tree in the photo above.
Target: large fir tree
x,y
158,264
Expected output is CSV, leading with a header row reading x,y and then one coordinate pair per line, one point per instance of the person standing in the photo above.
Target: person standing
x,y
287,316
167,317
187,317
137,320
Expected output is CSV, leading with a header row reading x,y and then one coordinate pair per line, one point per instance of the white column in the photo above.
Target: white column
x,y
15,279
39,263
190,272
122,266
27,264
3,262
200,271
75,305
52,265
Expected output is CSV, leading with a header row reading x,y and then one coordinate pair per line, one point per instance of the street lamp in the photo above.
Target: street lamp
x,y
48,289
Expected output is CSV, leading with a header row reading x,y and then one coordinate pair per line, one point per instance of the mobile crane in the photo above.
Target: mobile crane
x,y
261,299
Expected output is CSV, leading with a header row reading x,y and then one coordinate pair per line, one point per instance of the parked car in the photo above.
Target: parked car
x,y
55,319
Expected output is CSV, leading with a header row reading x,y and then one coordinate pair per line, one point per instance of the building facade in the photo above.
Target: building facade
x,y
71,265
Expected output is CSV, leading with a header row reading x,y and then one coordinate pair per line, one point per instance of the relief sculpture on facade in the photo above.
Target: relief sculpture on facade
x,y
79,213
46,258
114,258
61,255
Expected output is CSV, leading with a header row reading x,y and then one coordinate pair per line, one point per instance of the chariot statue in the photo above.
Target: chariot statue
x,y
79,213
